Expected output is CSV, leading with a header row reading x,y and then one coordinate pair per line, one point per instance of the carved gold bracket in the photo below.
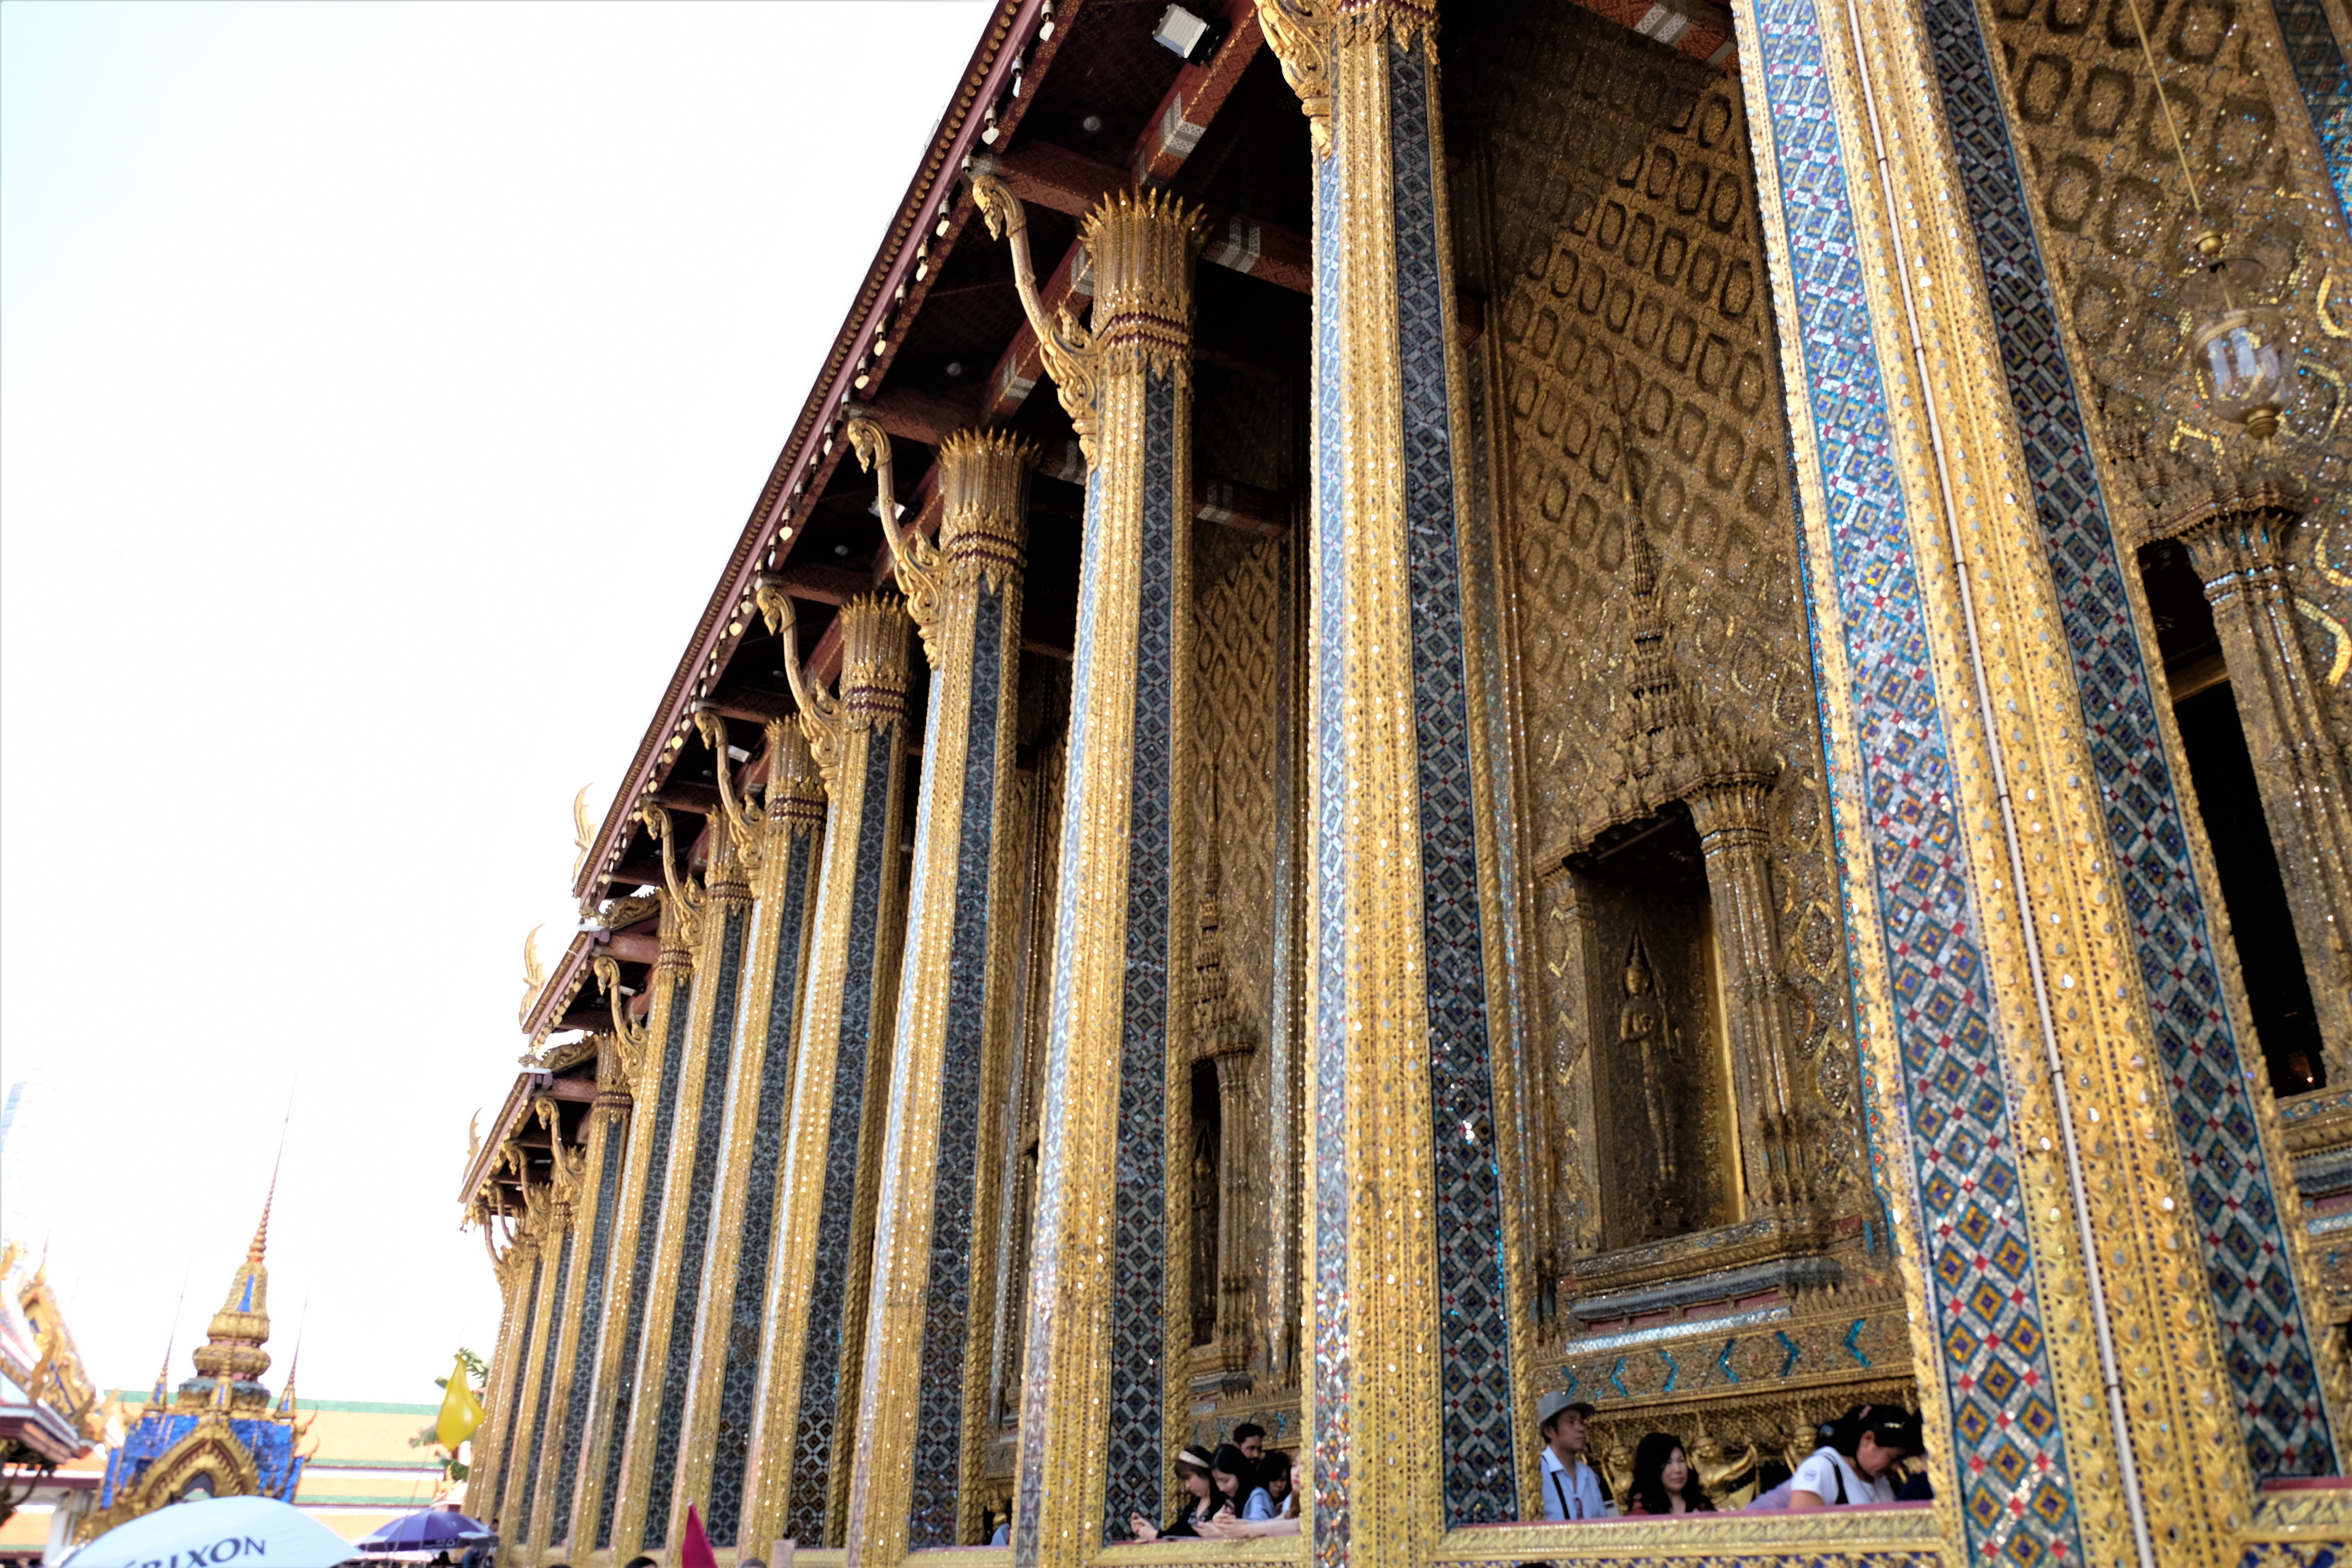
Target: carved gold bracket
x,y
743,828
688,899
822,722
1067,348
632,1039
916,558
1299,33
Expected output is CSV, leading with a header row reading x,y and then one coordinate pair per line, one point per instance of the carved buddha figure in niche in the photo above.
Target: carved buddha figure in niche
x,y
1641,1028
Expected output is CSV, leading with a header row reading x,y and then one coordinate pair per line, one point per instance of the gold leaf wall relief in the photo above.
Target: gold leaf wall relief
x,y
1631,306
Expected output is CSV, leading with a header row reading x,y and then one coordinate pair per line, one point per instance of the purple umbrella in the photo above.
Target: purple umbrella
x,y
433,1530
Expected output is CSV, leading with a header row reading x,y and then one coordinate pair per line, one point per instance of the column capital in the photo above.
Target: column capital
x,y
985,485
795,797
1143,244
874,661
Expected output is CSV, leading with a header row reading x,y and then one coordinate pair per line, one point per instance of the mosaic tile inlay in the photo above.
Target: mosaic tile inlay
x,y
739,1382
946,1309
1328,613
539,1408
693,1216
522,1365
591,1320
1140,1245
1474,1331
2016,1493
649,1213
819,1421
2317,56
2247,1262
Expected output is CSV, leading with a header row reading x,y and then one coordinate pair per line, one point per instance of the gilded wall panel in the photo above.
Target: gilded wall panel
x,y
2118,220
1630,302
1236,579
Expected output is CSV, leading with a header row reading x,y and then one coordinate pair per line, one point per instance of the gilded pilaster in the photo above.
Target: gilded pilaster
x,y
649,1455
1109,1325
921,1422
657,1053
731,1319
517,1271
2075,1128
559,1211
816,1311
597,1209
1420,1306
2240,548
530,1254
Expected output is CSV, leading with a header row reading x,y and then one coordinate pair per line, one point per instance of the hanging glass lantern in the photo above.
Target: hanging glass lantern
x,y
2236,341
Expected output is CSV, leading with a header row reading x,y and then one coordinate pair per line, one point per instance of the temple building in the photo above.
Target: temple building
x,y
1442,702
222,1434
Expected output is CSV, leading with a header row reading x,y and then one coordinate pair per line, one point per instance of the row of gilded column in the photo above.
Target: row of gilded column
x,y
771,1307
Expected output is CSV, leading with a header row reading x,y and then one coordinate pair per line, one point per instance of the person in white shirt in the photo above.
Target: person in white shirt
x,y
1856,1465
1571,1487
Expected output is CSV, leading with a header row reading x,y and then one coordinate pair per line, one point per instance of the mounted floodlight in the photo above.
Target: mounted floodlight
x,y
1183,33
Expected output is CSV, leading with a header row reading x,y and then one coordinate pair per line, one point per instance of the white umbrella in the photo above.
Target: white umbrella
x,y
216,1532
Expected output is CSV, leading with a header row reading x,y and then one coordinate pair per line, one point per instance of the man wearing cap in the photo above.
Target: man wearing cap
x,y
1571,1488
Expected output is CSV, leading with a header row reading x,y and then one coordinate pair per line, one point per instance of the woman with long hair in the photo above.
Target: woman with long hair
x,y
1855,1465
1274,1473
1202,1502
1663,1481
1236,1479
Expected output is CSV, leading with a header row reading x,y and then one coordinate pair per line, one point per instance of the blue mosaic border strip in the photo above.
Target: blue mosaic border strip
x,y
1046,1230
739,1381
2317,56
693,1216
614,1149
2009,1450
514,1392
650,1216
546,1400
810,1498
1473,1333
1332,1414
938,1472
1139,1336
2247,1260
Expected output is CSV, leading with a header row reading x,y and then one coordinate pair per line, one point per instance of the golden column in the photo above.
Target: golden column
x,y
658,1049
650,1445
514,1447
795,1483
730,1326
518,1269
547,1510
1418,1301
921,1422
559,1211
2105,1312
1108,1330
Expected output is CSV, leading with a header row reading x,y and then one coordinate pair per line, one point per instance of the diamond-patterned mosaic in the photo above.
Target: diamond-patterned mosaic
x,y
611,1147
1473,1328
828,1304
2246,1258
514,1392
1328,1103
1139,1235
938,1465
1943,1013
2317,56
649,1212
546,1375
738,1380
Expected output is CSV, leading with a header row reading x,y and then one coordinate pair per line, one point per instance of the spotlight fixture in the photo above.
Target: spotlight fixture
x,y
1180,32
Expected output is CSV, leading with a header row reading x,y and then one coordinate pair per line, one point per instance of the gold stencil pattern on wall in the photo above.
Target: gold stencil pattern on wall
x,y
1633,302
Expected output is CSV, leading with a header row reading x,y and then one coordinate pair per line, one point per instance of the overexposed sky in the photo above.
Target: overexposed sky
x,y
382,387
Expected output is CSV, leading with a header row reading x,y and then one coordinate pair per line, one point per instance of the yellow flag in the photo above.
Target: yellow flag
x,y
461,1412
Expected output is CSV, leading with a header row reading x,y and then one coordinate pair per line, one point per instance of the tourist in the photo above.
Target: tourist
x,y
1663,1481
1236,1478
1250,1439
1203,1505
1855,1465
1274,1475
1571,1487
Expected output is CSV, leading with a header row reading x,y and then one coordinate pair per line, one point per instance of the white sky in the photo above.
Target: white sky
x,y
381,390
